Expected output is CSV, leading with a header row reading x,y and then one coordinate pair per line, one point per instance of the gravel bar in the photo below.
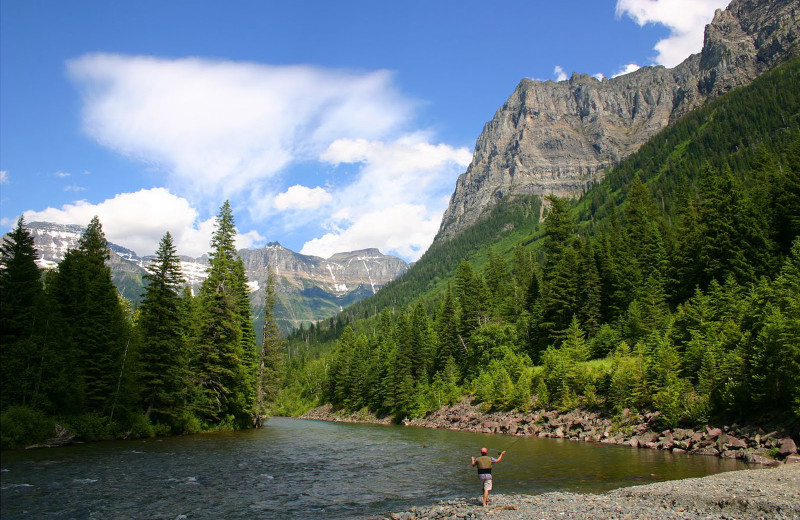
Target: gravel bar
x,y
765,493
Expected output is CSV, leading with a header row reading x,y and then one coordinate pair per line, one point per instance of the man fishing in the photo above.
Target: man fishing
x,y
484,464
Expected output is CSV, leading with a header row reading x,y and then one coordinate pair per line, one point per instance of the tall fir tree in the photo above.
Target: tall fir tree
x,y
95,329
22,325
270,355
163,362
225,376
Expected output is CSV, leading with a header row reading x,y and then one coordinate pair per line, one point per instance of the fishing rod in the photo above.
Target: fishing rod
x,y
518,438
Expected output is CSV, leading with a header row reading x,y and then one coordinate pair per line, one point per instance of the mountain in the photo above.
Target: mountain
x,y
560,138
309,288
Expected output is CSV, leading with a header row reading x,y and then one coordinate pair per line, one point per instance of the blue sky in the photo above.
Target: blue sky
x,y
330,126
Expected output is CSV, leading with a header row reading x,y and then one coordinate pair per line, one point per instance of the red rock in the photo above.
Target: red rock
x,y
793,459
788,447
708,450
734,443
713,433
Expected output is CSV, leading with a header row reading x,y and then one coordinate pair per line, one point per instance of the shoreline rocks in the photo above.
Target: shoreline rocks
x,y
751,444
749,494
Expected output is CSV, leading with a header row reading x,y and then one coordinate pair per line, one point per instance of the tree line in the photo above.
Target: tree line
x,y
76,352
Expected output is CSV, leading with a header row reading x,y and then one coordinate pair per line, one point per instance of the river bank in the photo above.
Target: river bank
x,y
762,445
755,494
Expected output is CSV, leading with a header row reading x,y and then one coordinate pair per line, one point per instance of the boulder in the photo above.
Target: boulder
x,y
707,450
758,458
736,443
787,447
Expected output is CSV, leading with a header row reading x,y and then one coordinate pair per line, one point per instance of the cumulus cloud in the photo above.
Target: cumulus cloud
x,y
405,229
299,197
397,200
139,220
627,69
559,73
218,127
4,177
62,175
685,19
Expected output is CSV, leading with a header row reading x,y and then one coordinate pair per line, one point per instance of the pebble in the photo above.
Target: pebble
x,y
722,496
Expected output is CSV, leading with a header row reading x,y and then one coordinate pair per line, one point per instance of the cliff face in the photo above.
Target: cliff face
x,y
558,138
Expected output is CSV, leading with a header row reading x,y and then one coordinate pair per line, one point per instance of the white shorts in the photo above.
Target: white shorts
x,y
487,484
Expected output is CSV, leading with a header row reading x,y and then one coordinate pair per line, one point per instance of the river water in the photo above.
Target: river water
x,y
293,468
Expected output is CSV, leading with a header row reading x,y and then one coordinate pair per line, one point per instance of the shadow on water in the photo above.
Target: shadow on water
x,y
296,469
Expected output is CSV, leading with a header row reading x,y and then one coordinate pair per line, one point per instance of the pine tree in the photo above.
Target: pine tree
x,y
225,372
163,351
95,330
447,332
787,199
270,354
21,322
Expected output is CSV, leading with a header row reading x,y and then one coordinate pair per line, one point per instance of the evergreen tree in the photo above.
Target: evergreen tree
x,y
732,239
470,294
447,332
21,321
162,351
225,370
95,330
787,199
271,354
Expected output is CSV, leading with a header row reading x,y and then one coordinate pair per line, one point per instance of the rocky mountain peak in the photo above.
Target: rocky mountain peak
x,y
559,138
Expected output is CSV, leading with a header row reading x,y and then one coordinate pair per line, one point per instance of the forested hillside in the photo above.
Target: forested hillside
x,y
75,353
674,285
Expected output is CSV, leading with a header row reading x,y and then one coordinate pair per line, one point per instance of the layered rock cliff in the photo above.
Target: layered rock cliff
x,y
559,138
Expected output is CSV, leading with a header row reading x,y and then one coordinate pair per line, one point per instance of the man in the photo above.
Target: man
x,y
484,464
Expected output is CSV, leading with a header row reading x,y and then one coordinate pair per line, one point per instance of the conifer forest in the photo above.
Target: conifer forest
x,y
75,351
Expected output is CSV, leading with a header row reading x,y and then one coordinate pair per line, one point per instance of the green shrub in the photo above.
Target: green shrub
x,y
91,426
22,426
139,426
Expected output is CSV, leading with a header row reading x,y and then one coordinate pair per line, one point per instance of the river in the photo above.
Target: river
x,y
294,468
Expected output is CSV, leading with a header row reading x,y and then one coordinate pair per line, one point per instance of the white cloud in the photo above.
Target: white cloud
x,y
62,175
686,20
599,76
627,69
219,127
404,229
74,187
299,197
4,177
397,200
559,73
139,220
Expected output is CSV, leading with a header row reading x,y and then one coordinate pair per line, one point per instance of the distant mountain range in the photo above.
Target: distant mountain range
x,y
309,288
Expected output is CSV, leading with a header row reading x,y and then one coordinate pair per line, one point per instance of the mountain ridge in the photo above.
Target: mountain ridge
x,y
560,138
309,288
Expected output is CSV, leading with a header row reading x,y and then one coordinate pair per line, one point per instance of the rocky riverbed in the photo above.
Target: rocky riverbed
x,y
763,445
764,493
